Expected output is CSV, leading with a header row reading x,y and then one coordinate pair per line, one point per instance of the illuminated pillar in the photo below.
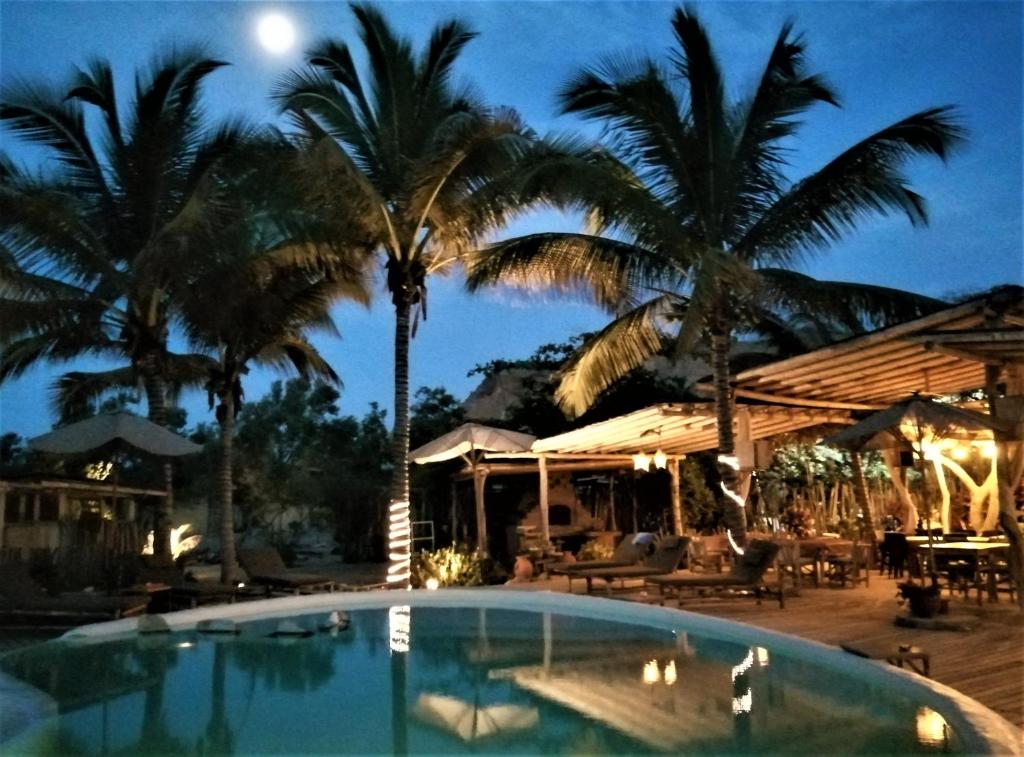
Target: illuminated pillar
x,y
399,544
542,494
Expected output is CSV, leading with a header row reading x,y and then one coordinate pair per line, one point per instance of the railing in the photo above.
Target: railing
x,y
427,525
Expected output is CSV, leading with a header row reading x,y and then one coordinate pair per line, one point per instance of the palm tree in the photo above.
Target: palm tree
x,y
263,321
87,249
695,227
417,157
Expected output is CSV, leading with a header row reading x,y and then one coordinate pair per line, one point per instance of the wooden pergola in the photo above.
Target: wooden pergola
x,y
674,429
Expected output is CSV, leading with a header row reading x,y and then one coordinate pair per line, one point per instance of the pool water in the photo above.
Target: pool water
x,y
431,680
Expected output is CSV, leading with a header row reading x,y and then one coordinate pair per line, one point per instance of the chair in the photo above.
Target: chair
x,y
626,553
747,574
916,658
663,560
161,569
895,549
22,597
850,568
265,566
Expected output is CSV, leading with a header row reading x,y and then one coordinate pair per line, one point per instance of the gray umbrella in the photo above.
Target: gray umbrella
x,y
110,429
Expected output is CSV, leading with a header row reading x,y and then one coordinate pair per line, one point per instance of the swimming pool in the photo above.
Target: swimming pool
x,y
470,671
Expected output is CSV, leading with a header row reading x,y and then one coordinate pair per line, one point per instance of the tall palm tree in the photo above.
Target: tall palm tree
x,y
87,248
695,226
264,320
418,157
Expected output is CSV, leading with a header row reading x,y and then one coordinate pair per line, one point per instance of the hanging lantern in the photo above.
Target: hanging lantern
x,y
670,676
641,461
660,459
651,672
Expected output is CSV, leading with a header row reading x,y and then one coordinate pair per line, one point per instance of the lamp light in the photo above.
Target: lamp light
x,y
399,543
432,584
651,673
670,675
641,461
660,459
931,727
960,453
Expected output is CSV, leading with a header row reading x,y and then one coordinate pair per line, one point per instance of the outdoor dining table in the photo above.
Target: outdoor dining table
x,y
817,547
972,552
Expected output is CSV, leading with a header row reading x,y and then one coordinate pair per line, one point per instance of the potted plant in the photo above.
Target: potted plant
x,y
923,600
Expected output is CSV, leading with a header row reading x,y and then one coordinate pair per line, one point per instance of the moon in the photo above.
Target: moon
x,y
276,33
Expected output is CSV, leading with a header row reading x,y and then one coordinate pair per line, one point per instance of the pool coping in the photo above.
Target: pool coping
x,y
977,724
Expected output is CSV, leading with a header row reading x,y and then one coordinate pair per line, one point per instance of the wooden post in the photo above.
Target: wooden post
x,y
479,482
860,495
542,498
3,512
455,512
614,525
677,499
1007,469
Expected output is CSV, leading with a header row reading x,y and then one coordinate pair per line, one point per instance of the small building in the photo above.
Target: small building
x,y
43,512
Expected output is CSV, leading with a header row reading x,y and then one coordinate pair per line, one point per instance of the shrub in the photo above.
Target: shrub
x,y
451,566
595,550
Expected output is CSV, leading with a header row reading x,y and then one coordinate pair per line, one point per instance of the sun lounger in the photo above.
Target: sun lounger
x,y
21,598
748,573
265,566
662,561
626,553
160,569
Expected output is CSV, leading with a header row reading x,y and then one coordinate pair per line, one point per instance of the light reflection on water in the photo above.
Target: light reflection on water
x,y
431,680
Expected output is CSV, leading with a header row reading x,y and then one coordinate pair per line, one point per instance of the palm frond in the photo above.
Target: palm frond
x,y
864,180
613,352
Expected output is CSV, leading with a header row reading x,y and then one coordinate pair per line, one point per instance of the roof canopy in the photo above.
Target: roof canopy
x,y
941,353
681,428
114,428
469,438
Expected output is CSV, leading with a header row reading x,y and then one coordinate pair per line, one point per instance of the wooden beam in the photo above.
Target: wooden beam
x,y
796,401
969,311
962,354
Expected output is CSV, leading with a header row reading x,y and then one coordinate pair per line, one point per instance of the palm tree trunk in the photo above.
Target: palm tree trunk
x,y
397,527
156,401
227,485
860,494
735,514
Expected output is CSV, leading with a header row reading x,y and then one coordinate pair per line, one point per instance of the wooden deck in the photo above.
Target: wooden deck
x,y
986,663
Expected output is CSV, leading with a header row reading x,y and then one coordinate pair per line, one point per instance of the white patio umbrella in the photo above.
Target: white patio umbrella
x,y
110,429
469,441
472,723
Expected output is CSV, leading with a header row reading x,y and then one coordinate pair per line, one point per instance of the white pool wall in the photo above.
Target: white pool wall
x,y
979,727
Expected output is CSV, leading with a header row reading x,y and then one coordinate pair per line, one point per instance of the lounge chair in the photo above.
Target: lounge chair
x,y
626,553
23,599
662,561
161,569
265,566
748,574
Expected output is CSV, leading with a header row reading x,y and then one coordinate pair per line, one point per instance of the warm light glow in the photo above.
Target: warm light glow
x,y
743,704
276,33
179,545
960,453
988,449
670,673
399,543
641,461
651,673
733,462
432,584
99,471
932,729
186,645
744,666
762,656
660,459
398,629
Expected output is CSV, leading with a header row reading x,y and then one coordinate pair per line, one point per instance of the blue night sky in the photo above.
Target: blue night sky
x,y
887,60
